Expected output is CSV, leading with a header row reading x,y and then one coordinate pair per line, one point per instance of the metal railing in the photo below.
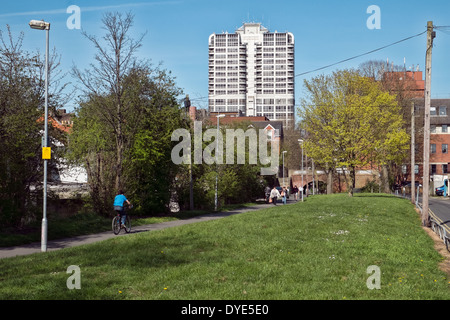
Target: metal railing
x,y
437,225
440,228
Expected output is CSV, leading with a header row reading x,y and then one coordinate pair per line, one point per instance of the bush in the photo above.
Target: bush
x,y
371,187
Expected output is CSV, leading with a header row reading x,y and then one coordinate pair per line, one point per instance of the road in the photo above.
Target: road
x,y
440,208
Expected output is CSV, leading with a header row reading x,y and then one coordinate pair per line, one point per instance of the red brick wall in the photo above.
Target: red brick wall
x,y
339,184
439,157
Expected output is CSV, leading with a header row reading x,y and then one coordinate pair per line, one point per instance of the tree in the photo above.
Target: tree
x,y
291,145
351,123
150,174
21,126
92,145
106,80
123,124
240,181
239,172
318,124
399,82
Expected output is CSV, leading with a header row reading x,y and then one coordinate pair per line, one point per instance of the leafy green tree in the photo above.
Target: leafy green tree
x,y
150,174
106,79
351,123
239,181
124,123
397,81
152,115
91,146
21,128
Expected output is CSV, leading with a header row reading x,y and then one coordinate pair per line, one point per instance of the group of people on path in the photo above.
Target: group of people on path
x,y
272,195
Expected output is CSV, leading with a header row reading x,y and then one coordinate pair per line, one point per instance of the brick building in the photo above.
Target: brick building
x,y
410,82
439,143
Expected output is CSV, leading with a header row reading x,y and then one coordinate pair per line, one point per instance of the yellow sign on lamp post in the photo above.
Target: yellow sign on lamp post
x,y
46,153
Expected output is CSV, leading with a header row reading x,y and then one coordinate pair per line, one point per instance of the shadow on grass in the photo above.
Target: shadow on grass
x,y
376,195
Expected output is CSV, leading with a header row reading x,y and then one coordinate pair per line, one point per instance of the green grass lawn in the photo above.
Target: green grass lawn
x,y
88,223
319,249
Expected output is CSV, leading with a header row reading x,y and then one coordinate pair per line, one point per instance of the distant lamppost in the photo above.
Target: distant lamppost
x,y
313,174
217,162
301,142
284,182
42,25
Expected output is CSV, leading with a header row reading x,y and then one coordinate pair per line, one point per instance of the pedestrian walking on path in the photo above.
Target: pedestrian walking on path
x,y
284,195
274,195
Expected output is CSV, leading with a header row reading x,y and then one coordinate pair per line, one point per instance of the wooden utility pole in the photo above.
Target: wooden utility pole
x,y
187,106
413,154
426,130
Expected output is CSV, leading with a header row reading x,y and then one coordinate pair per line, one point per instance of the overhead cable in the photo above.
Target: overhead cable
x,y
360,55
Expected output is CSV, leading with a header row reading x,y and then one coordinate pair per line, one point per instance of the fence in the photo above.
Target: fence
x,y
438,226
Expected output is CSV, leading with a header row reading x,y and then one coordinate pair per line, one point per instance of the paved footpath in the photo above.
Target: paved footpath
x,y
81,240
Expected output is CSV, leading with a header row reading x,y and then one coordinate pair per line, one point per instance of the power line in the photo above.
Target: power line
x,y
440,28
444,29
360,55
199,98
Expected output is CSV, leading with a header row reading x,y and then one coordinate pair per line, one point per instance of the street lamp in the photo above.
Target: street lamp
x,y
313,174
301,142
284,182
217,161
42,25
39,25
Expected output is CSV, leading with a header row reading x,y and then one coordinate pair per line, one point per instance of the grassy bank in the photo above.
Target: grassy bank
x,y
319,249
86,223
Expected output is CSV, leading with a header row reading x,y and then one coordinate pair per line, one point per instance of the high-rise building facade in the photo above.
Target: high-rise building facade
x,y
251,73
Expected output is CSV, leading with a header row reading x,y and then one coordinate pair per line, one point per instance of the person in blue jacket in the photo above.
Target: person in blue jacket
x,y
119,202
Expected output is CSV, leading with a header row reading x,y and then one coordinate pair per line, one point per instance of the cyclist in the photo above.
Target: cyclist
x,y
119,201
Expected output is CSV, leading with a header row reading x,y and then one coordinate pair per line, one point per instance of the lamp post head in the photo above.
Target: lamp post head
x,y
39,25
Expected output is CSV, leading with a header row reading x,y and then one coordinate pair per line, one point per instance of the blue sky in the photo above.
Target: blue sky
x,y
325,32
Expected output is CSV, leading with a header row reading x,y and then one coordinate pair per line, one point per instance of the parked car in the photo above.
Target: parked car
x,y
407,187
439,191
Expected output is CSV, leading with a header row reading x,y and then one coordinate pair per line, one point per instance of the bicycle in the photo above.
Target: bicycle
x,y
117,223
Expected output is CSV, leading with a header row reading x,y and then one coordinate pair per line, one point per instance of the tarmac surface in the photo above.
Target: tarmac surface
x,y
59,244
440,207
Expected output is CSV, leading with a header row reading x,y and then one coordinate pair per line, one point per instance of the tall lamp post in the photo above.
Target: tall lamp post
x,y
301,142
42,25
217,162
284,182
